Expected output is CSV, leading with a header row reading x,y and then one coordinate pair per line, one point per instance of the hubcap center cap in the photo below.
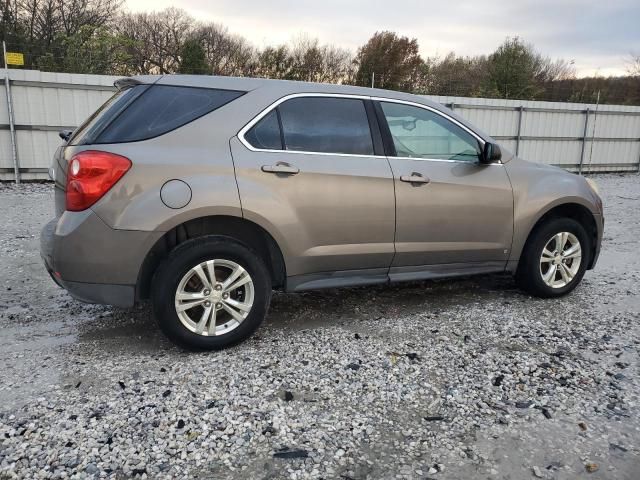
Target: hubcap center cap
x,y
216,295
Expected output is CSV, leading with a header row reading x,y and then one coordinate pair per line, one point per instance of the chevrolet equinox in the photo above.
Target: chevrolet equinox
x,y
203,194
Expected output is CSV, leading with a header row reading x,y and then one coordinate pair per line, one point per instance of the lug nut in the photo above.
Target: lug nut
x,y
218,287
207,304
218,305
207,292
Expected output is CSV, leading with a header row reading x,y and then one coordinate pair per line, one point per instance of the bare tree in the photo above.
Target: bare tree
x,y
226,54
548,70
155,39
76,13
306,60
633,65
337,64
95,36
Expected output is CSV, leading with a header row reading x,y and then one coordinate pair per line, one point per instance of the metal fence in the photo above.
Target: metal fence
x,y
43,104
574,136
596,138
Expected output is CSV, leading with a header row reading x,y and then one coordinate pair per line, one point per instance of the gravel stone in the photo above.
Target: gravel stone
x,y
396,381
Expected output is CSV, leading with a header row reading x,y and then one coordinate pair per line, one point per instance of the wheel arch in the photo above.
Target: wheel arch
x,y
251,234
575,211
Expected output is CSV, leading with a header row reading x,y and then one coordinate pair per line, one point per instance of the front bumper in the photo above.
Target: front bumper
x,y
93,262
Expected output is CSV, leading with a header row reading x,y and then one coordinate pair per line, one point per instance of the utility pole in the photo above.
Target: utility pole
x,y
12,130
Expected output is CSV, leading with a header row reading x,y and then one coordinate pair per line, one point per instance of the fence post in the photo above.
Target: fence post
x,y
584,139
520,110
12,130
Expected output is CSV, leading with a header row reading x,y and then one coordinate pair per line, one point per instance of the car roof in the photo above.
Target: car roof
x,y
284,87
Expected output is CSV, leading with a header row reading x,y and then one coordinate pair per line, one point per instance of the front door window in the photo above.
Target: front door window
x,y
421,133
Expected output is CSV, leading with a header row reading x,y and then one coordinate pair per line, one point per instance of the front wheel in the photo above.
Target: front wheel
x,y
210,293
554,259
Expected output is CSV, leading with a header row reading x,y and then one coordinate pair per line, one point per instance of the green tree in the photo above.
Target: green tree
x,y
193,58
95,50
395,61
457,76
512,70
275,62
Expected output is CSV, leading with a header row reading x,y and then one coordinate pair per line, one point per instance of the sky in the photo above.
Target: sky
x,y
599,36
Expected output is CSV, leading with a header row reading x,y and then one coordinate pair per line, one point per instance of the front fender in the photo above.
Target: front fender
x,y
538,189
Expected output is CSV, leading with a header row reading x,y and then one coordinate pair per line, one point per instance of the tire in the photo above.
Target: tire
x,y
531,270
191,328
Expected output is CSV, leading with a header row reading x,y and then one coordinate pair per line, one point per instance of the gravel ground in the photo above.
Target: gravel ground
x,y
465,378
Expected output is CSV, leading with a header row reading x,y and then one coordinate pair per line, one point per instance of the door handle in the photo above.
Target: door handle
x,y
281,167
414,178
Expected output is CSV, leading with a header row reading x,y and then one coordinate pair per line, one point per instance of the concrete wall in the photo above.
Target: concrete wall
x,y
546,132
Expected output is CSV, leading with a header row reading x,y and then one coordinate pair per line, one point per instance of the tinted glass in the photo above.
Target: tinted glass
x,y
328,125
162,109
92,127
266,133
421,133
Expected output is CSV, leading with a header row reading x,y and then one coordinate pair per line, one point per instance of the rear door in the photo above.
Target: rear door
x,y
452,210
310,168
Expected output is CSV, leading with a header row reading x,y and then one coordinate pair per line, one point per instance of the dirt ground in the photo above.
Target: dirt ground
x,y
464,378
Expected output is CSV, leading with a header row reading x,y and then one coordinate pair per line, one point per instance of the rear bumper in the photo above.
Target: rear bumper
x,y
102,293
93,262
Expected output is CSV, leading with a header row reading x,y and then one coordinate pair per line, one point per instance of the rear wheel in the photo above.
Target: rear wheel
x,y
210,293
554,259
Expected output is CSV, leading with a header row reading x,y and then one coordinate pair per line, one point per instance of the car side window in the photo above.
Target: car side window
x,y
161,109
315,124
266,133
421,133
326,125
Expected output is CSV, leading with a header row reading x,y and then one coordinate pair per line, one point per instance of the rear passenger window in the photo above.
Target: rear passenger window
x,y
160,109
102,117
326,125
266,133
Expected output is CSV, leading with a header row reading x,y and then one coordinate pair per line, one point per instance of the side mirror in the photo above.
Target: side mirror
x,y
490,153
65,134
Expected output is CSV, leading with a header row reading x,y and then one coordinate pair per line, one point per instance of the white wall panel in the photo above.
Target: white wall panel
x,y
547,124
564,120
552,152
58,100
6,160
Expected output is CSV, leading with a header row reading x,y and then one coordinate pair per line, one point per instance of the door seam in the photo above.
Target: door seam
x,y
235,176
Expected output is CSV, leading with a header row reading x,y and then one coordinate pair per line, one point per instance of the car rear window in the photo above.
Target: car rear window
x,y
144,112
96,123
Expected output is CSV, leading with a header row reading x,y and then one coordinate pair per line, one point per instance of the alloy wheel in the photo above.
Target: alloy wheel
x,y
214,297
560,260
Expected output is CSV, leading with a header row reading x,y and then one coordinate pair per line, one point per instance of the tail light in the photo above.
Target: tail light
x,y
90,175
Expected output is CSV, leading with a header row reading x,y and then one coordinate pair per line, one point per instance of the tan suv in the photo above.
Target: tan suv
x,y
205,193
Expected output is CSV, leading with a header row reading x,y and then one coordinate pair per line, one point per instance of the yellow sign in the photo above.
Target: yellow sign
x,y
14,58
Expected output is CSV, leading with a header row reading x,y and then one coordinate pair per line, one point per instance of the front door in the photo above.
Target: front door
x,y
452,211
308,170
